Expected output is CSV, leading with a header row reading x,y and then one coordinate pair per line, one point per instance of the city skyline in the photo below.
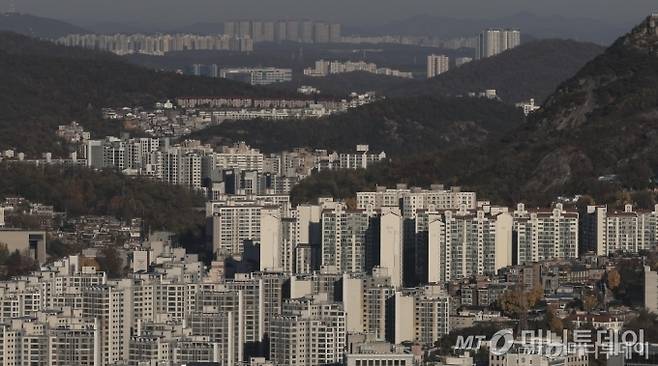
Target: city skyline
x,y
166,13
276,188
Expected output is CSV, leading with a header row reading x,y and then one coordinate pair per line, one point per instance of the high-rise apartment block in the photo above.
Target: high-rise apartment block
x,y
161,44
495,41
309,331
437,65
410,200
606,231
542,235
257,76
304,31
466,243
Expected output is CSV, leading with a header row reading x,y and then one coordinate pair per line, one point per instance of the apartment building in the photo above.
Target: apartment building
x,y
410,200
607,231
492,42
463,243
257,76
348,239
50,338
437,65
111,306
541,235
309,331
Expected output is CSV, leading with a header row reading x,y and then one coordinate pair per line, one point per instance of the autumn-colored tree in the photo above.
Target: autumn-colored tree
x,y
517,301
613,279
590,301
553,321
535,295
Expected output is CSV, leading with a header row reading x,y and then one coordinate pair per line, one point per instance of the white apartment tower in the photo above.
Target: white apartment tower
x,y
271,239
464,243
495,41
437,65
111,306
347,239
391,244
309,331
628,231
543,235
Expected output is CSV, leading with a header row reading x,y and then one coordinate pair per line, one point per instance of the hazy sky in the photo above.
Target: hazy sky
x,y
176,12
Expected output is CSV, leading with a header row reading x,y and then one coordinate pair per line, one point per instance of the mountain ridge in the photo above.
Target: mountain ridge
x,y
43,85
38,27
532,70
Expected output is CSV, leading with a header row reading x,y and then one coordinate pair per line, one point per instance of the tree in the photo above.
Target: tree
x,y
4,253
517,302
590,301
553,321
18,265
613,279
111,262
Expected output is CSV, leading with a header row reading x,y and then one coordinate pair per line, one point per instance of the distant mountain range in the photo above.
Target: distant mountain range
x,y
532,70
597,134
532,26
43,85
37,27
601,122
537,26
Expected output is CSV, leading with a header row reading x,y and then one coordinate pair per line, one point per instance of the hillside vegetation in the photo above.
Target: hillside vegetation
x,y
397,126
35,26
597,134
80,191
43,85
532,70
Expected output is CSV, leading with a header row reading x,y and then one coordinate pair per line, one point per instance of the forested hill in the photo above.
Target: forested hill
x,y
43,85
35,26
397,126
532,70
596,135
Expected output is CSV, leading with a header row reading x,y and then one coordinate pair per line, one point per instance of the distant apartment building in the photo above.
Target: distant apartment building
x,y
542,235
464,243
324,68
348,240
257,76
233,225
361,159
304,31
607,231
238,156
391,244
309,331
157,45
51,338
410,200
437,65
111,306
495,41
